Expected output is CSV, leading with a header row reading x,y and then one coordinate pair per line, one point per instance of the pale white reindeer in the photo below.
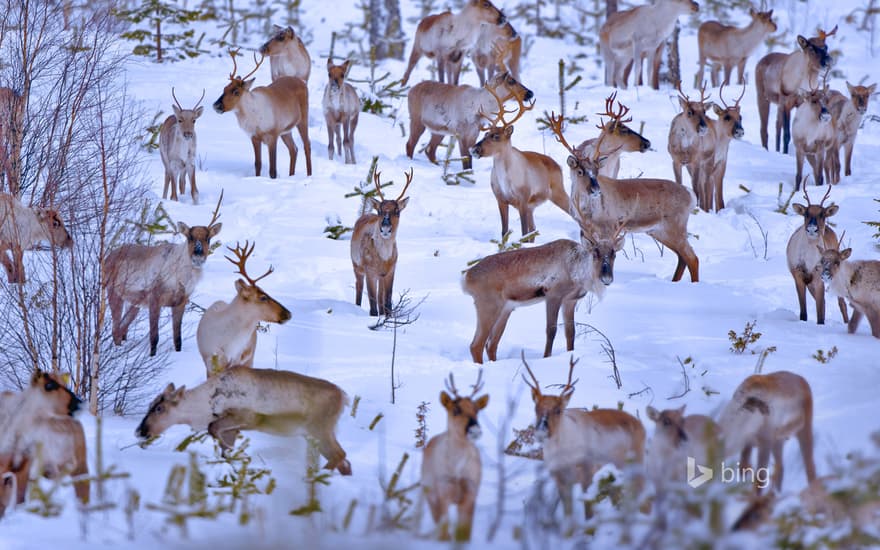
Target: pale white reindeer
x,y
813,134
558,273
692,144
728,46
451,466
177,147
522,179
728,127
227,333
577,442
23,228
157,276
266,113
288,55
858,281
766,410
374,248
341,106
240,398
448,36
804,252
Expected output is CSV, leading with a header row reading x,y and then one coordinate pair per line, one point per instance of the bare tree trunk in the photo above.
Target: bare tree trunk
x,y
674,61
386,35
610,7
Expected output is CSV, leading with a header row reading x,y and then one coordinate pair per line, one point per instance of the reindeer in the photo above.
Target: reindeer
x,y
341,109
779,78
523,179
559,273
847,116
857,281
241,398
269,112
37,425
498,49
727,127
445,109
227,333
448,36
374,248
157,276
22,228
287,55
803,254
725,45
451,467
177,146
616,136
657,207
692,144
577,442
767,409
627,36
813,134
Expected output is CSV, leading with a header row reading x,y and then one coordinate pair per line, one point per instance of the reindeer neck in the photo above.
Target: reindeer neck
x,y
194,408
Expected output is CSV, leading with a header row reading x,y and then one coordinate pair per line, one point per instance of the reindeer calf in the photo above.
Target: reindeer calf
x,y
341,109
23,228
177,146
813,135
847,115
857,281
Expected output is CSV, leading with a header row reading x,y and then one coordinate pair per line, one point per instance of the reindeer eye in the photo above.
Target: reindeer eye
x,y
160,408
580,172
726,117
264,298
690,112
51,385
666,422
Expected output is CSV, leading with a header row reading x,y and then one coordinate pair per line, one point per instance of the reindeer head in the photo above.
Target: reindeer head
x,y
161,414
670,424
198,237
270,310
615,133
817,102
581,166
278,41
484,11
237,87
54,227
695,111
730,116
765,18
506,87
831,260
816,49
186,118
815,214
51,394
860,96
336,75
498,130
389,210
603,243
462,411
549,408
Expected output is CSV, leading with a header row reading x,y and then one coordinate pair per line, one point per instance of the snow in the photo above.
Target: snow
x,y
651,321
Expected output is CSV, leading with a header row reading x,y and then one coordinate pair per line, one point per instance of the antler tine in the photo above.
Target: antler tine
x,y
537,385
376,182
840,241
703,96
622,111
520,111
721,95
478,385
827,194
260,62
409,177
823,35
176,102
807,194
243,254
198,102
450,386
555,123
681,92
216,215
232,54
569,385
741,94
499,116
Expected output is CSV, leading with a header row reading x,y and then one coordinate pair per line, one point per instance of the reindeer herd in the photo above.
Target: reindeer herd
x,y
765,410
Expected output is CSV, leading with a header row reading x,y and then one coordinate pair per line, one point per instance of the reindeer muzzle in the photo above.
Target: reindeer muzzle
x,y
74,404
738,132
502,19
702,128
695,7
218,105
542,431
594,186
826,276
142,431
645,145
528,95
284,316
476,151
812,228
824,115
473,430
606,273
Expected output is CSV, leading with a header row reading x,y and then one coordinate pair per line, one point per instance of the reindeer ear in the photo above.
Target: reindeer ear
x,y
36,377
182,228
249,83
169,389
482,402
198,111
565,398
329,63
752,11
831,210
571,161
536,395
375,203
214,230
176,110
401,204
240,286
718,110
803,42
445,400
681,409
346,65
844,254
683,103
178,394
799,209
652,413
872,88
508,131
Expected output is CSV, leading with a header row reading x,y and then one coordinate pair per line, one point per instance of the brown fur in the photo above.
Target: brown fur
x,y
287,55
727,46
813,134
847,116
498,49
341,106
23,228
857,281
726,128
177,147
692,144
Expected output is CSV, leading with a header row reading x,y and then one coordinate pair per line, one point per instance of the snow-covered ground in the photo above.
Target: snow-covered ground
x,y
650,320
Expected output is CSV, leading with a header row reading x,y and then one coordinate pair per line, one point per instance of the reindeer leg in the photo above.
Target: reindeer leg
x,y
764,116
115,303
176,321
154,324
553,305
848,151
169,182
805,441
348,141
841,303
763,461
488,313
416,129
127,320
303,128
817,289
568,308
786,128
5,250
21,473
496,332
799,168
358,285
272,144
431,149
258,154
287,139
780,109
193,191
372,291
777,466
331,129
854,320
801,289
389,291
465,512
330,449
504,210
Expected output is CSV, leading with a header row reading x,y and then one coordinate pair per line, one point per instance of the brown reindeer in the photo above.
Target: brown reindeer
x,y
726,128
558,273
858,281
765,410
692,144
523,179
615,136
23,228
287,55
627,36
240,398
803,254
157,276
779,78
660,208
227,333
445,109
37,428
374,248
451,467
447,36
498,49
341,109
847,116
577,442
728,46
177,146
266,113
813,134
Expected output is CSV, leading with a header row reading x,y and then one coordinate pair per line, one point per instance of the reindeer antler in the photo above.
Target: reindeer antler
x,y
178,102
260,62
537,385
555,124
175,99
242,254
499,116
216,215
376,182
823,35
409,177
232,54
735,103
827,194
450,386
569,385
681,92
703,96
478,385
622,111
